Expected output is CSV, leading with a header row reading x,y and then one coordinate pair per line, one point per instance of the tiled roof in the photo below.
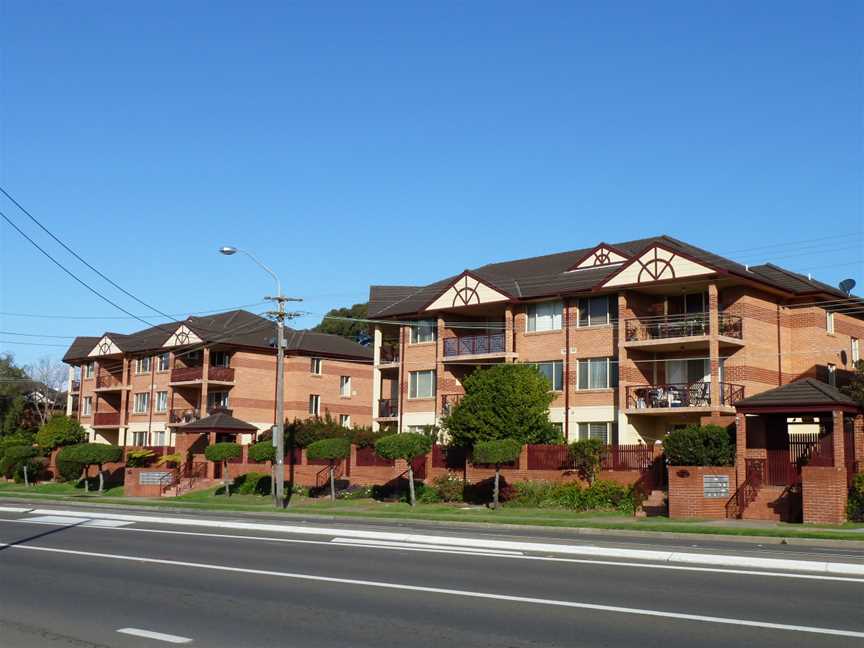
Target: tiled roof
x,y
807,391
237,327
551,275
219,421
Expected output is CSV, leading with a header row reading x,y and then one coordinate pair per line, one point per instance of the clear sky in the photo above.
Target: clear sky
x,y
349,143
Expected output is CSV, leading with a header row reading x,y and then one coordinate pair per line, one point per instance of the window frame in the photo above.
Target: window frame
x,y
135,437
611,373
316,365
139,362
581,304
220,354
345,386
829,321
167,357
224,403
854,350
555,374
608,434
556,316
316,409
345,420
162,437
156,407
87,406
145,399
832,374
422,325
413,383
89,370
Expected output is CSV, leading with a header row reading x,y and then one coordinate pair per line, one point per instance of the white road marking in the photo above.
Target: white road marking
x,y
838,632
575,561
413,545
60,520
14,509
158,636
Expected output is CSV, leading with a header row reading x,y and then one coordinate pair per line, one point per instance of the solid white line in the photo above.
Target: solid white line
x,y
574,561
461,593
411,545
158,636
14,509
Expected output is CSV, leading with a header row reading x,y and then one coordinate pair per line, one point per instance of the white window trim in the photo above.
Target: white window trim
x,y
832,374
608,386
316,366
159,362
89,370
608,321
156,407
855,350
138,361
433,384
829,321
413,329
87,406
345,420
608,425
146,400
315,411
345,387
554,328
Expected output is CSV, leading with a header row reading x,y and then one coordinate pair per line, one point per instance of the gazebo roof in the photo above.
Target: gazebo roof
x,y
804,394
220,421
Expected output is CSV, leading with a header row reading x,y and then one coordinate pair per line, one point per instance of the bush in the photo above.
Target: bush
x,y
355,492
481,492
407,446
332,449
60,431
534,493
68,470
175,458
587,455
700,445
254,483
16,439
138,458
91,454
262,451
497,452
855,505
448,488
223,451
14,460
600,496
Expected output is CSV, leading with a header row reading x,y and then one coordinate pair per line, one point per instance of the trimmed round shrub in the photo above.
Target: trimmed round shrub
x,y
262,451
60,431
15,458
700,445
587,455
406,445
497,452
254,483
330,449
90,454
855,504
223,451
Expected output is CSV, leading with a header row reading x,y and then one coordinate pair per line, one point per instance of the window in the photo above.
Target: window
x,y
554,373
217,400
142,403
688,371
87,407
143,365
139,438
345,420
832,375
344,385
88,370
599,431
559,427
421,384
423,331
545,316
597,373
315,366
159,437
855,350
161,401
829,321
596,311
314,404
220,359
164,362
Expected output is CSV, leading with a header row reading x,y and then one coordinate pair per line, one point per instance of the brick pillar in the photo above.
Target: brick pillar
x,y
439,367
205,368
740,448
839,439
714,347
400,400
124,403
623,313
509,332
859,440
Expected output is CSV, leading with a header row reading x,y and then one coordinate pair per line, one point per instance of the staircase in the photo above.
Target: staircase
x,y
656,504
188,485
775,503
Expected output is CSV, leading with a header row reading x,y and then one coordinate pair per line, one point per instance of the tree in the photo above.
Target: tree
x,y
221,453
12,377
332,450
356,331
18,458
855,388
407,446
700,445
264,451
587,456
59,431
503,401
92,454
496,452
46,394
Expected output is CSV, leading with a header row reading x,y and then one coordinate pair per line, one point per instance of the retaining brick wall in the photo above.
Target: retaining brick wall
x,y
825,494
686,492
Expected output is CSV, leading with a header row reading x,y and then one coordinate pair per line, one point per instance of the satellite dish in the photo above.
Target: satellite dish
x,y
847,285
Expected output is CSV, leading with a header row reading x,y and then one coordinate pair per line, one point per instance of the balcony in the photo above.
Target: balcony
x,y
389,353
676,397
448,402
467,346
388,408
192,375
672,332
75,387
109,382
106,419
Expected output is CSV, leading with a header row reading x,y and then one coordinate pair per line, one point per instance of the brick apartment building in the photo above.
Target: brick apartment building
x,y
636,338
140,389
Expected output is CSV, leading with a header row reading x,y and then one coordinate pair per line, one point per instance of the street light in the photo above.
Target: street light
x,y
279,429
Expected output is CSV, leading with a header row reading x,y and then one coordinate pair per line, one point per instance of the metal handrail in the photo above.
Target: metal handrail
x,y
474,344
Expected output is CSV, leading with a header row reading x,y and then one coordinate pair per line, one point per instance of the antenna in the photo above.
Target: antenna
x,y
847,285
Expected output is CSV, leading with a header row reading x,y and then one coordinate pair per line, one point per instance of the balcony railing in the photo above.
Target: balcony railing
x,y
193,374
75,386
678,326
672,395
474,345
388,408
389,353
108,381
106,418
221,374
448,402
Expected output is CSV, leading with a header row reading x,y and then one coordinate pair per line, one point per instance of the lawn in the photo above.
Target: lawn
x,y
64,490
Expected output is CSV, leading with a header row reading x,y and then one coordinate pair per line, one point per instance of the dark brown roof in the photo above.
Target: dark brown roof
x,y
237,327
807,391
551,274
220,421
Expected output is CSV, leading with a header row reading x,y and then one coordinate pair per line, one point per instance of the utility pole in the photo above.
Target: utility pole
x,y
279,432
279,315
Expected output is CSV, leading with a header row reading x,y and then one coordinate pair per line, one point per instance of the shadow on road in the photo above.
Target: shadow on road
x,y
8,545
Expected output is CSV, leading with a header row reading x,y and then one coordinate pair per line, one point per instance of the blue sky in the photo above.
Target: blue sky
x,y
349,143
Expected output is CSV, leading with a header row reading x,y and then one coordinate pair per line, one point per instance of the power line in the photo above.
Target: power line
x,y
37,335
41,344
135,317
78,256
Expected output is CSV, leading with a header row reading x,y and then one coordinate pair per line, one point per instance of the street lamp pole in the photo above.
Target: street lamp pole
x,y
279,315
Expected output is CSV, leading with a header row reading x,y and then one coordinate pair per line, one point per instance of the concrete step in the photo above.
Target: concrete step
x,y
656,504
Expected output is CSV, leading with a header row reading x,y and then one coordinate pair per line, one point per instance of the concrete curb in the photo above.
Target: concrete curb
x,y
667,557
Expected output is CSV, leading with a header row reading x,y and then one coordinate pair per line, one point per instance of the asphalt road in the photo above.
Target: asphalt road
x,y
65,583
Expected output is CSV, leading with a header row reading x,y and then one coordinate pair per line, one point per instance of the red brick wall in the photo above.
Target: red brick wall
x,y
825,494
686,492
